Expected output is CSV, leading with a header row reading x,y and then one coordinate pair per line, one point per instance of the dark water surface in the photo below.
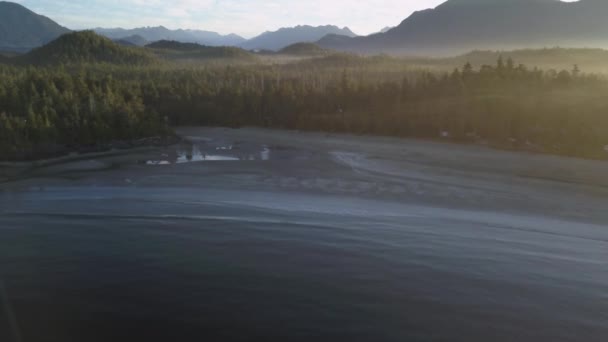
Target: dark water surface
x,y
316,245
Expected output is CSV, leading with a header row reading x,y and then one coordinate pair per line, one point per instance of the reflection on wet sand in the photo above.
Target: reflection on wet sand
x,y
202,150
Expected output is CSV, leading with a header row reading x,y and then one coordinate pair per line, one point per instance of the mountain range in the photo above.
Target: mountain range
x,y
22,30
284,37
454,27
457,26
88,47
153,34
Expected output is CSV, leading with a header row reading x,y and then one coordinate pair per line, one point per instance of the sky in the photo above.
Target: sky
x,y
247,18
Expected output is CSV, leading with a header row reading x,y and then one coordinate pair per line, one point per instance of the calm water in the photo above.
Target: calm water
x,y
234,251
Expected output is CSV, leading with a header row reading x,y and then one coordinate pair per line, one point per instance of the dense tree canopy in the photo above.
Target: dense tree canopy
x,y
504,105
45,110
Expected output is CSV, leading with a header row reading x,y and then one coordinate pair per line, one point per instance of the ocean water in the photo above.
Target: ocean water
x,y
298,244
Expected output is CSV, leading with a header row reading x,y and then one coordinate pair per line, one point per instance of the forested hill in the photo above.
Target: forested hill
x,y
304,49
174,50
86,47
22,30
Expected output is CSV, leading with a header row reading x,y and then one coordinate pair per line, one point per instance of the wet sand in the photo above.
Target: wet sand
x,y
275,235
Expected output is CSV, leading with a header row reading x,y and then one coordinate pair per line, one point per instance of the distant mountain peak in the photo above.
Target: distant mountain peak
x,y
286,36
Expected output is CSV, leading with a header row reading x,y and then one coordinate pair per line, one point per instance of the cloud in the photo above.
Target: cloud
x,y
246,17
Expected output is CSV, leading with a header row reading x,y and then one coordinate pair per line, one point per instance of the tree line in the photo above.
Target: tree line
x,y
505,105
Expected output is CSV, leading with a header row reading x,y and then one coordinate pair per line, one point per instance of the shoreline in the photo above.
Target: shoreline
x,y
446,155
11,169
108,149
116,147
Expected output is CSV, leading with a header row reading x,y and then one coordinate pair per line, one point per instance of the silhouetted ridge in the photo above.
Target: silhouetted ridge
x,y
86,47
303,49
457,26
134,40
22,30
286,36
152,34
177,50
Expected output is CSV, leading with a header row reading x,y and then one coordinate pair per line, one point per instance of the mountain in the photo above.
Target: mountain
x,y
386,29
153,34
86,47
457,26
303,49
191,51
287,36
134,40
22,30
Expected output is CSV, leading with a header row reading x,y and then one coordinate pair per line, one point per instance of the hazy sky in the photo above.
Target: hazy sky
x,y
244,17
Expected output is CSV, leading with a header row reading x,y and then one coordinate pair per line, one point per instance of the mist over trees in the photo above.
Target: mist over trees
x,y
505,105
